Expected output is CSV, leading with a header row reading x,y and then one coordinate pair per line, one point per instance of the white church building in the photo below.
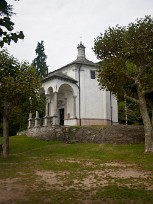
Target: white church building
x,y
73,96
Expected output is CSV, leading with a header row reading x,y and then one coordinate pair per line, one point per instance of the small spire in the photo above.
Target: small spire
x,y
80,39
81,45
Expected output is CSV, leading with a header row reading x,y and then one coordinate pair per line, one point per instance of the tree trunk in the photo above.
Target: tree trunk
x,y
6,130
152,115
147,123
126,117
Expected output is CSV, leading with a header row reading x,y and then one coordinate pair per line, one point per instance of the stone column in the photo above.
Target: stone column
x,y
74,106
46,112
46,109
49,109
55,103
30,120
37,120
65,109
30,115
50,105
55,121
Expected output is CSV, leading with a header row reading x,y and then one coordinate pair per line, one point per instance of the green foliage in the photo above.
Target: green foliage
x,y
19,113
127,67
17,80
41,104
18,119
1,126
127,56
133,113
40,61
7,26
131,67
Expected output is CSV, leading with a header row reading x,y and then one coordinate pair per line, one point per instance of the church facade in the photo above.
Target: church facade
x,y
73,96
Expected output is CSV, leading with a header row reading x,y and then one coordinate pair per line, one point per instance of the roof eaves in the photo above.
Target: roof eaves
x,y
89,63
56,76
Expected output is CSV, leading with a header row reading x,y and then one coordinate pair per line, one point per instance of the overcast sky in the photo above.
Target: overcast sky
x,y
61,24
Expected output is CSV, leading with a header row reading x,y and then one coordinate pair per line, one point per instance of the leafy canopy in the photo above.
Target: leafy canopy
x,y
18,80
7,26
126,55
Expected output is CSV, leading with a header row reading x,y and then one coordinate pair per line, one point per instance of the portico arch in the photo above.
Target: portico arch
x,y
61,94
65,103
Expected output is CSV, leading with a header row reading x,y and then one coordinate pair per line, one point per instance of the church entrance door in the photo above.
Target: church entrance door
x,y
61,111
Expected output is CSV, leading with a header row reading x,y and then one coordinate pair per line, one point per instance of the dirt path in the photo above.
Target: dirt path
x,y
14,189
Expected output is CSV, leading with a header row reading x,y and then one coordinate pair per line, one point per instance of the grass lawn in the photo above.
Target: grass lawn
x,y
55,172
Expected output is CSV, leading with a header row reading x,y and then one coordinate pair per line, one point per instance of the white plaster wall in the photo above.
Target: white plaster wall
x,y
115,109
108,107
71,122
69,104
70,71
112,107
48,84
77,105
93,100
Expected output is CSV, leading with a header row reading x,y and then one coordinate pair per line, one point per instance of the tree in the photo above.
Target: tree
x,y
129,113
40,61
7,26
126,55
18,81
19,114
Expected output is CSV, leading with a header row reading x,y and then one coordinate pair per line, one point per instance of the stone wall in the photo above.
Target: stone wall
x,y
117,134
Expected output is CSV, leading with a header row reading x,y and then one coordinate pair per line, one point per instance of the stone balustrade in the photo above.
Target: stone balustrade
x,y
40,122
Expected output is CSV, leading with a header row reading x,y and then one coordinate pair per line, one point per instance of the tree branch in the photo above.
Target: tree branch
x,y
147,91
142,69
131,98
